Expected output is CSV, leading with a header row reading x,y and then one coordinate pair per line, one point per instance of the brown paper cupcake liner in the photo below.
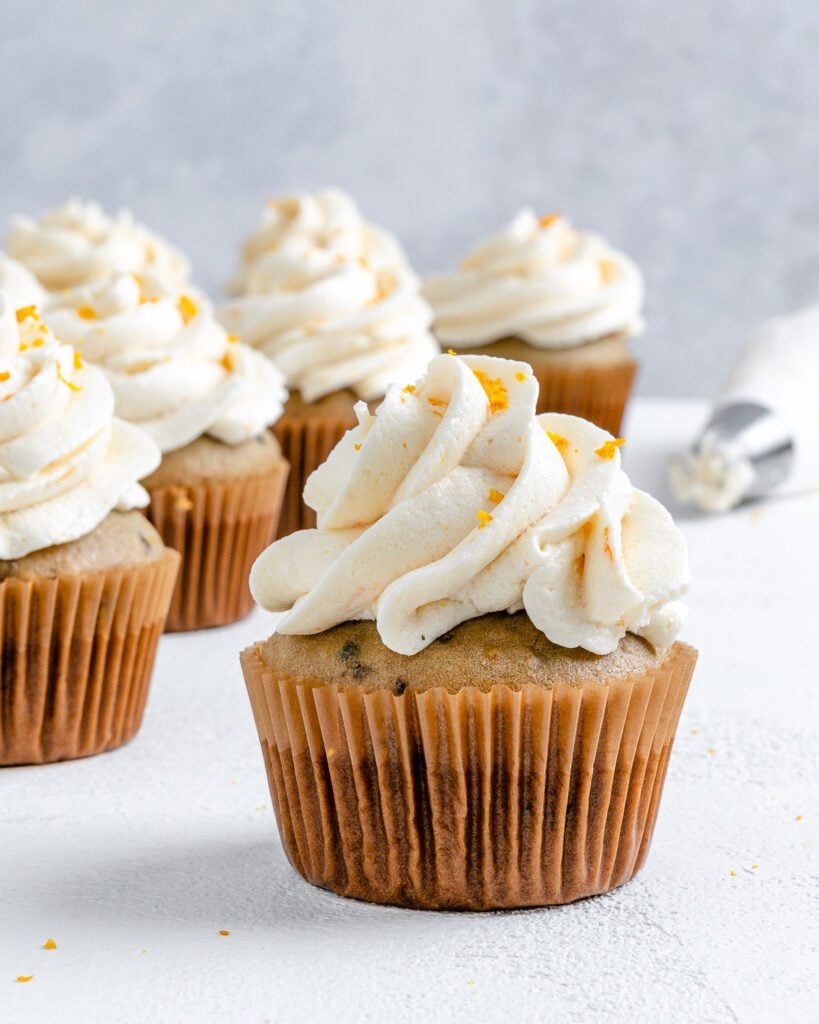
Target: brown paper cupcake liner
x,y
468,800
78,651
219,528
305,443
597,393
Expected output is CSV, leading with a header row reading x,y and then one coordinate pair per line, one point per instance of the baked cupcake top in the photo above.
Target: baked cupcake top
x,y
455,500
174,370
348,326
19,285
78,242
65,460
310,225
541,280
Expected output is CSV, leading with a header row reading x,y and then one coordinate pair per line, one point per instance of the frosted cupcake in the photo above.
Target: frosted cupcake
x,y
472,694
207,401
559,298
330,300
85,584
78,243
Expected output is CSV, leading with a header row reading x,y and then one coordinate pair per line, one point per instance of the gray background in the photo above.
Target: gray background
x,y
686,132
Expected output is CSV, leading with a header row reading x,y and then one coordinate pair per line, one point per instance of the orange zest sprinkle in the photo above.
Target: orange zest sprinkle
x,y
187,308
754,867
49,944
68,383
520,375
24,312
799,817
86,313
608,269
558,440
483,518
732,873
607,545
549,219
37,343
224,931
77,361
24,977
233,338
451,352
409,388
495,391
712,750
495,496
437,401
608,448
357,447
4,375
227,362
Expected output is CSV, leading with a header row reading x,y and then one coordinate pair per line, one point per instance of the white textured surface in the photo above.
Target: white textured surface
x,y
683,131
133,861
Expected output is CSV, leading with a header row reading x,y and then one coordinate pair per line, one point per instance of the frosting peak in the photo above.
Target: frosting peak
x,y
174,370
455,500
78,242
65,461
541,280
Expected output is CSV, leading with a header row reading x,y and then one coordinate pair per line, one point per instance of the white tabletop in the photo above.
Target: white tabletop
x,y
134,861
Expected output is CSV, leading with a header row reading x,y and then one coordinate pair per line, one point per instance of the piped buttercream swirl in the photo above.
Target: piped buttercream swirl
x,y
455,500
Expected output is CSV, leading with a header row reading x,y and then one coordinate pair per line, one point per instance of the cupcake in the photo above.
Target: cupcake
x,y
471,696
561,299
331,301
207,401
85,583
78,243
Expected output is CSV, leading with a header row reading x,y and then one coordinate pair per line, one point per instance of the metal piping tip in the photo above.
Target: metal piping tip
x,y
745,451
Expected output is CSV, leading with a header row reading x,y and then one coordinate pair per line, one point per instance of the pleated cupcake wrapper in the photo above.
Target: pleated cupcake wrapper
x,y
472,800
78,651
219,528
597,393
305,444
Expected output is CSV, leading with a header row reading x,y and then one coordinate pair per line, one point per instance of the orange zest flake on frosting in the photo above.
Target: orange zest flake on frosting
x,y
77,361
495,496
24,977
437,402
357,447
227,362
607,544
24,312
549,219
4,376
608,269
87,313
409,388
37,343
144,299
451,352
49,944
224,931
608,448
187,308
495,391
520,375
68,383
483,518
233,338
558,440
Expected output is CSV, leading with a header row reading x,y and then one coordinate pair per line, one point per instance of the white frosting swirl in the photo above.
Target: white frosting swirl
x,y
65,461
540,280
78,242
331,323
454,500
308,226
19,285
174,370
